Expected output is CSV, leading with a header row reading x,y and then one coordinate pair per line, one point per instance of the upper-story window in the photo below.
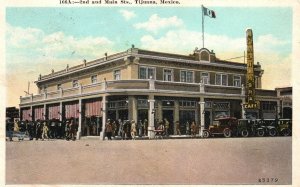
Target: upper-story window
x,y
117,75
186,76
221,79
205,78
204,55
237,81
168,75
94,79
75,83
59,86
147,72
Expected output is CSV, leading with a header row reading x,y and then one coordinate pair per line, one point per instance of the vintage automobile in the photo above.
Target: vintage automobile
x,y
283,127
246,127
268,126
226,126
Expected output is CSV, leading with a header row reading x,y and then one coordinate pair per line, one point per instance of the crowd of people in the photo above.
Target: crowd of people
x,y
126,129
44,129
186,128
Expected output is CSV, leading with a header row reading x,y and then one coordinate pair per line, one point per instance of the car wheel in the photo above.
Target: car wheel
x,y
227,133
286,132
244,133
260,132
272,132
205,134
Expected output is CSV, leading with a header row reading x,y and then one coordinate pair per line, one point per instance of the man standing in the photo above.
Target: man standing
x,y
167,125
193,129
120,127
140,127
145,127
16,126
45,131
73,130
108,129
177,127
133,129
67,130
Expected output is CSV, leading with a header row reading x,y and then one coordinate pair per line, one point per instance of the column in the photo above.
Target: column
x,y
278,109
202,112
79,120
176,115
159,110
151,113
243,109
132,108
45,113
104,116
31,115
60,111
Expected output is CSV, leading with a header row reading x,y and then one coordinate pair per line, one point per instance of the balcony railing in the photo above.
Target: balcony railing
x,y
142,85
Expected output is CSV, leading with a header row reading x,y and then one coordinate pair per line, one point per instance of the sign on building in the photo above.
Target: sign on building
x,y
251,103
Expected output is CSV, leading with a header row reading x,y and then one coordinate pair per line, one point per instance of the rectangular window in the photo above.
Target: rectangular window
x,y
111,105
221,79
94,79
142,103
117,75
187,104
58,86
186,76
205,78
237,81
182,76
75,83
168,75
147,73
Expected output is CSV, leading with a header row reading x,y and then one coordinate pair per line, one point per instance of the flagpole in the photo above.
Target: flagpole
x,y
202,27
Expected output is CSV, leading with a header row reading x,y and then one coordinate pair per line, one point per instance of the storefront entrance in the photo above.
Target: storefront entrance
x,y
92,126
169,115
207,119
186,117
142,115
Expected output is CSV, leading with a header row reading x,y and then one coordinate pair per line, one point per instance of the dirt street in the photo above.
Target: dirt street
x,y
177,161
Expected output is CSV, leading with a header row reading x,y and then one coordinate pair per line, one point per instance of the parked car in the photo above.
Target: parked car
x,y
283,127
268,126
246,127
223,126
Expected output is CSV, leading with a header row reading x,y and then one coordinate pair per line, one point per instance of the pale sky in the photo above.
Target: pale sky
x,y
41,39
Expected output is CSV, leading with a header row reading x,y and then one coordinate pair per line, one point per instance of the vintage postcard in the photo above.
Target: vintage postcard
x,y
150,92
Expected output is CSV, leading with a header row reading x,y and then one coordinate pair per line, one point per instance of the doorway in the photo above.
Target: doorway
x,y
169,115
207,119
186,117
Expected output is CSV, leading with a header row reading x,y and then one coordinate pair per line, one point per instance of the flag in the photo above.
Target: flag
x,y
208,12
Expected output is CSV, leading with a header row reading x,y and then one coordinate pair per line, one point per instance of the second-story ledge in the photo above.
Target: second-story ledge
x,y
136,85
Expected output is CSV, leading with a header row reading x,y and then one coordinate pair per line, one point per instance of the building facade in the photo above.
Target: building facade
x,y
137,84
286,101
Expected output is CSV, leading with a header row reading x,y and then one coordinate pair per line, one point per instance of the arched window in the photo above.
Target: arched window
x,y
204,55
